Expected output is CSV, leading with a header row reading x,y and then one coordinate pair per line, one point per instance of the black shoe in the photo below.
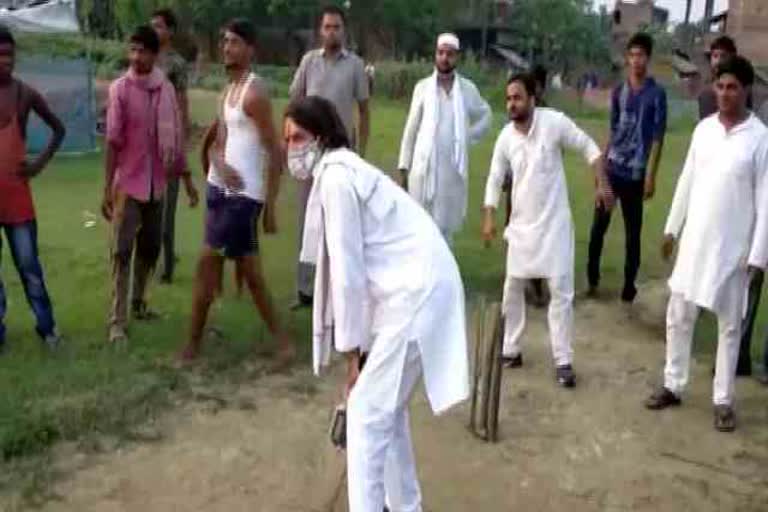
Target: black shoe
x,y
565,376
725,419
628,294
593,292
142,312
512,361
166,279
662,399
302,301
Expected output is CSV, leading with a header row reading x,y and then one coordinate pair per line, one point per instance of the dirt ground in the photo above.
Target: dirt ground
x,y
264,447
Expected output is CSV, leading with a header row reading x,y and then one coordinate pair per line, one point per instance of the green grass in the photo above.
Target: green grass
x,y
87,389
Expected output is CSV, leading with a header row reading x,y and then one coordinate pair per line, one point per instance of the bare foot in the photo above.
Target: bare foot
x,y
187,356
284,357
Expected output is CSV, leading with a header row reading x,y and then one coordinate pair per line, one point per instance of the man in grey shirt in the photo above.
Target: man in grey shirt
x,y
338,75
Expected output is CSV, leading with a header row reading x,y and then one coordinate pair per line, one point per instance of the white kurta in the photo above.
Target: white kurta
x,y
721,208
430,149
540,229
391,277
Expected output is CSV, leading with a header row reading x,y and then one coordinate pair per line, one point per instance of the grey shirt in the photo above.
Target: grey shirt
x,y
340,80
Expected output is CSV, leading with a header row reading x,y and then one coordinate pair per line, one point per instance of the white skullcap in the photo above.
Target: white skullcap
x,y
450,40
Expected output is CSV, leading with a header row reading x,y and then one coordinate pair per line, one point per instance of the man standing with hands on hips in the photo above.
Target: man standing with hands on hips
x,y
337,74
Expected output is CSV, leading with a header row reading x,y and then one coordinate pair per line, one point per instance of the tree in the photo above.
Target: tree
x,y
561,34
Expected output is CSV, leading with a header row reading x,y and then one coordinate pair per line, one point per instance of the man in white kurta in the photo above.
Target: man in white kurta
x,y
540,231
447,115
387,285
720,216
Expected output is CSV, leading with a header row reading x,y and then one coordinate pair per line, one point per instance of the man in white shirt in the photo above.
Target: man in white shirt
x,y
447,115
386,284
540,230
720,216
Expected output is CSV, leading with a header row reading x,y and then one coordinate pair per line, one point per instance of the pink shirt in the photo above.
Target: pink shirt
x,y
132,129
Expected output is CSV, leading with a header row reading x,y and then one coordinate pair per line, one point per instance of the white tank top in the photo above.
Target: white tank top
x,y
244,150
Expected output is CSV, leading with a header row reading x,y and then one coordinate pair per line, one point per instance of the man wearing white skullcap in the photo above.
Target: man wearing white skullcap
x,y
447,115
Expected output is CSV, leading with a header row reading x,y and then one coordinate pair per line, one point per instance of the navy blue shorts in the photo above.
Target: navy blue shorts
x,y
231,223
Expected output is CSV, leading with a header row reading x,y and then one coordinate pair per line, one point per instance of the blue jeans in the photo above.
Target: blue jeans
x,y
22,239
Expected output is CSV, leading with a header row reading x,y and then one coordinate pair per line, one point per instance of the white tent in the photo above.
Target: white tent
x,y
52,16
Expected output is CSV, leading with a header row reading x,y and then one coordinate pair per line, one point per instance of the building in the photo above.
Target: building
x,y
746,21
631,17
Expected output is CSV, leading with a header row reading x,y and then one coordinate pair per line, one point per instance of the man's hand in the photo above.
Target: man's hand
x,y
191,190
353,372
107,205
402,178
489,228
650,187
270,219
604,198
29,170
231,178
667,247
169,159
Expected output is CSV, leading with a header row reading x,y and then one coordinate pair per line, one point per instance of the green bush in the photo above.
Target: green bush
x,y
395,80
108,57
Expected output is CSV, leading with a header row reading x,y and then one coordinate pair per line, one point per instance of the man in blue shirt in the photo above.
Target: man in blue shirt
x,y
638,124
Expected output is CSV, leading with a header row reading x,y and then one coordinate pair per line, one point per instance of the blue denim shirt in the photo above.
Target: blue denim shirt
x,y
638,119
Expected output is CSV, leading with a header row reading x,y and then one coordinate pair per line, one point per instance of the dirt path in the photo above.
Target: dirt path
x,y
260,447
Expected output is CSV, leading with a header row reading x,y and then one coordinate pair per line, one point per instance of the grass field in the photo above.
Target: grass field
x,y
87,388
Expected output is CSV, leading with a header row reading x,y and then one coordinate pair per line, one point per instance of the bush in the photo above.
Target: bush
x,y
108,57
395,80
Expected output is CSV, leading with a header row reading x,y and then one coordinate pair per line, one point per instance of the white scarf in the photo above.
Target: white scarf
x,y
315,250
431,118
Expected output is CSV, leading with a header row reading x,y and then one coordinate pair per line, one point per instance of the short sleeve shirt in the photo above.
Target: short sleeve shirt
x,y
175,68
341,80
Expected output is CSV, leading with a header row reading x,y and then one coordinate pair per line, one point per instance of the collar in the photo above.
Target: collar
x,y
343,54
746,124
648,83
531,130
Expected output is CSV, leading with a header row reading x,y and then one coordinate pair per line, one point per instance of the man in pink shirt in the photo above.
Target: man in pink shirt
x,y
143,145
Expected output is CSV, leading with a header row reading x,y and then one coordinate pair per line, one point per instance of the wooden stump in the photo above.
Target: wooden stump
x,y
486,337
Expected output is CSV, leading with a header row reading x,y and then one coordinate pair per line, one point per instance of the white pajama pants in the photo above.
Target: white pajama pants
x,y
681,320
380,459
559,316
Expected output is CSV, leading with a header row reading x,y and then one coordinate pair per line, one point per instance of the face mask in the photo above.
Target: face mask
x,y
301,161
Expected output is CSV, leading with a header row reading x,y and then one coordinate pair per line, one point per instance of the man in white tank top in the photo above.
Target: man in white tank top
x,y
243,179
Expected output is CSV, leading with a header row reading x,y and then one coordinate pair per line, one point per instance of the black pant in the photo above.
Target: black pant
x,y
169,228
630,195
748,326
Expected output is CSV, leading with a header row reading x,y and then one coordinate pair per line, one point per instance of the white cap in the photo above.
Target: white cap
x,y
450,40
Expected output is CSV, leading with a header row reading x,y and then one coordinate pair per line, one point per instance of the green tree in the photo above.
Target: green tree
x,y
561,34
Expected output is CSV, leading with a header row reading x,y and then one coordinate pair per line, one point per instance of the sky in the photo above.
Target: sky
x,y
677,8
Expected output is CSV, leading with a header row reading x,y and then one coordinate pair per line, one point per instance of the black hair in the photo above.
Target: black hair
x,y
244,29
725,44
525,78
319,117
145,36
540,75
739,67
332,10
6,37
643,41
168,17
